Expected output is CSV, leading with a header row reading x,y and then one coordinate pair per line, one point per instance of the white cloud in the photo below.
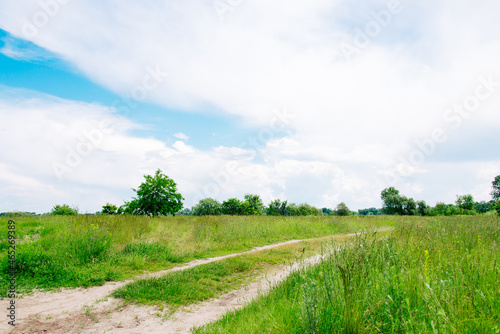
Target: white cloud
x,y
352,120
181,136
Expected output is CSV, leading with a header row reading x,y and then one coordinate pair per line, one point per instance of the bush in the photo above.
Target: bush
x,y
109,209
277,208
207,207
342,210
232,207
252,205
64,210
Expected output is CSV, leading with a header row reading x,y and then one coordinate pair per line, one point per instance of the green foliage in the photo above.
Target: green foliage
x,y
157,195
232,207
391,201
465,203
327,211
308,210
342,210
129,208
252,206
63,210
369,212
185,212
207,207
423,209
483,207
277,208
495,192
396,204
496,206
109,209
443,209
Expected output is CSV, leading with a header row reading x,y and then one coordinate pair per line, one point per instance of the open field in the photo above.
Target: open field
x,y
87,250
430,276
426,275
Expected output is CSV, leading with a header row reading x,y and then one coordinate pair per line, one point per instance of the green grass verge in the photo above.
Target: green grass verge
x,y
87,250
437,275
211,280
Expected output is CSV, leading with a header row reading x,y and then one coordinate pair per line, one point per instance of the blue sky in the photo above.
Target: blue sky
x,y
49,74
322,102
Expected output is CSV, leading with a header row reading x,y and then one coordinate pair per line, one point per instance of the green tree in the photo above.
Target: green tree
x,y
441,209
483,206
309,210
342,210
392,201
369,212
465,202
409,206
422,208
253,205
129,208
63,210
292,209
157,195
185,212
327,211
109,209
495,193
232,207
276,208
496,206
207,207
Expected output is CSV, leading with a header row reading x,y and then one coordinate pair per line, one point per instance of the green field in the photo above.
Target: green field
x,y
426,275
87,250
432,275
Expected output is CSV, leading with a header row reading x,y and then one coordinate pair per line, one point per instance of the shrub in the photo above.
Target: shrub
x,y
109,209
64,210
232,206
253,205
342,210
207,207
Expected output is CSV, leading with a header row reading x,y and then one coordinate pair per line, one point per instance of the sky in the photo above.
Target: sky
x,y
316,102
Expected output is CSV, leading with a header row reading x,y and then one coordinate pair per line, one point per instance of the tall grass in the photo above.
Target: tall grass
x,y
431,276
85,250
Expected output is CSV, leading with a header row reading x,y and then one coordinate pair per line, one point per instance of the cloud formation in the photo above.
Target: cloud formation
x,y
358,117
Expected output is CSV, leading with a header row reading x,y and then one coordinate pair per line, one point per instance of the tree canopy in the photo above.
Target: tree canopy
x,y
342,210
157,195
207,207
63,210
109,209
495,192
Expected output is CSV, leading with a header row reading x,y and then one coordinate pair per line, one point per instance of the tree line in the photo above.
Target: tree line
x,y
396,204
158,196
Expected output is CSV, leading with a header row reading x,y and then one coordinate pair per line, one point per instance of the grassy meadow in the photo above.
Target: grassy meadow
x,y
87,250
431,275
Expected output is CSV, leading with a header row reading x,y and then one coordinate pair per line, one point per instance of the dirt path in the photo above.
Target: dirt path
x,y
92,311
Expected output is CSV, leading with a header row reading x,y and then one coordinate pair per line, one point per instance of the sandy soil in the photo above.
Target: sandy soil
x,y
92,311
